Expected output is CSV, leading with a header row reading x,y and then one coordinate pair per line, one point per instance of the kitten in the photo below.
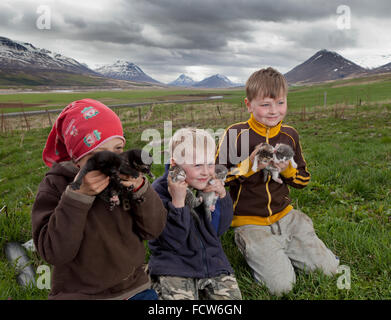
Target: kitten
x,y
134,162
264,155
108,163
283,153
129,163
178,174
270,155
210,198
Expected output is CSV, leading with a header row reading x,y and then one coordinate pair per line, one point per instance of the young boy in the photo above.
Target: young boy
x,y
96,253
187,260
272,236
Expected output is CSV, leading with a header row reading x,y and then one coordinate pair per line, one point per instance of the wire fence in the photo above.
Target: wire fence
x,y
208,112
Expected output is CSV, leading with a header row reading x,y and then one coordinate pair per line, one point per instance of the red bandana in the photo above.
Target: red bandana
x,y
79,129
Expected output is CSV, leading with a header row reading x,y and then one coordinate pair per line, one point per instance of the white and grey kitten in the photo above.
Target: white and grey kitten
x,y
210,198
284,152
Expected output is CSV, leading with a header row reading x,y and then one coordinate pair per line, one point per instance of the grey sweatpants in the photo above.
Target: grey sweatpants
x,y
273,251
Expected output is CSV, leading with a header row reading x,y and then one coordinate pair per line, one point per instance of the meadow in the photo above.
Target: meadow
x,y
347,146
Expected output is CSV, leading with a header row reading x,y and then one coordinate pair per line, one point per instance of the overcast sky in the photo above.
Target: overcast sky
x,y
202,37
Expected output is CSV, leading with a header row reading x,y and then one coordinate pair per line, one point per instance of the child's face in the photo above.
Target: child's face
x,y
268,111
115,145
198,175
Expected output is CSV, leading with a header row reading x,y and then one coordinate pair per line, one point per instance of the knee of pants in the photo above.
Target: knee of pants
x,y
277,284
330,267
280,287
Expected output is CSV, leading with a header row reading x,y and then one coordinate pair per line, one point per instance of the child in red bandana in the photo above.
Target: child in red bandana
x,y
96,253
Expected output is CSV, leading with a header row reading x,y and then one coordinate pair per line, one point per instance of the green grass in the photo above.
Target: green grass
x,y
368,90
60,100
348,198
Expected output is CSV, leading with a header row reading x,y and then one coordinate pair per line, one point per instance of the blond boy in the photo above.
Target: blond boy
x,y
187,260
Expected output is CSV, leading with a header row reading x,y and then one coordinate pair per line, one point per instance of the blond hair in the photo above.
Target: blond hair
x,y
192,145
266,83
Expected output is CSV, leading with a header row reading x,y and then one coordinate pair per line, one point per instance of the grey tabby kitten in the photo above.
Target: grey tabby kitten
x,y
210,198
264,155
178,174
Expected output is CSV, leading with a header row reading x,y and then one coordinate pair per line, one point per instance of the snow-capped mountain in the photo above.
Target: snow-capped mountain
x,y
16,55
125,70
182,81
372,61
382,69
323,66
215,81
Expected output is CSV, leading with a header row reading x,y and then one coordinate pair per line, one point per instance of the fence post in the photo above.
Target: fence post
x,y
27,123
325,99
2,122
218,109
50,120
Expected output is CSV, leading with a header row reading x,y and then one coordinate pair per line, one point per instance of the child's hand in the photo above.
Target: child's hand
x,y
217,186
128,181
93,183
177,190
281,165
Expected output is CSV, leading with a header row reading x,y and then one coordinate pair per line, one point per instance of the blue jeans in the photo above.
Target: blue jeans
x,y
148,294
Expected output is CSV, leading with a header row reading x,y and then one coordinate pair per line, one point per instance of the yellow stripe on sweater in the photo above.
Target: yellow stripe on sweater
x,y
238,221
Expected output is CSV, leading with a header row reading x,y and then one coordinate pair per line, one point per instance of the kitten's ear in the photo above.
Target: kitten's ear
x,y
172,162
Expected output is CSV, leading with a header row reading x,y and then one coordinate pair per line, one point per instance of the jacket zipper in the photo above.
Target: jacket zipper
x,y
268,180
237,198
203,251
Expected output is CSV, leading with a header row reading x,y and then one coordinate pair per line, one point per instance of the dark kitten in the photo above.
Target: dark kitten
x,y
135,161
108,163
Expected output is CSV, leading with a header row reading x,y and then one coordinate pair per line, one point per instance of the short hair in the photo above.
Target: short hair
x,y
192,145
266,83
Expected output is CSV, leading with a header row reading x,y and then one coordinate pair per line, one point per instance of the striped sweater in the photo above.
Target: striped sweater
x,y
255,201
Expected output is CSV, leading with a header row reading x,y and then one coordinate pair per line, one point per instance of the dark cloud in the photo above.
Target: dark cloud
x,y
167,36
324,37
76,22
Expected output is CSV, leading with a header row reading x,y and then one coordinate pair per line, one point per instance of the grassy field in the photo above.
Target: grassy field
x,y
348,151
372,89
60,100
